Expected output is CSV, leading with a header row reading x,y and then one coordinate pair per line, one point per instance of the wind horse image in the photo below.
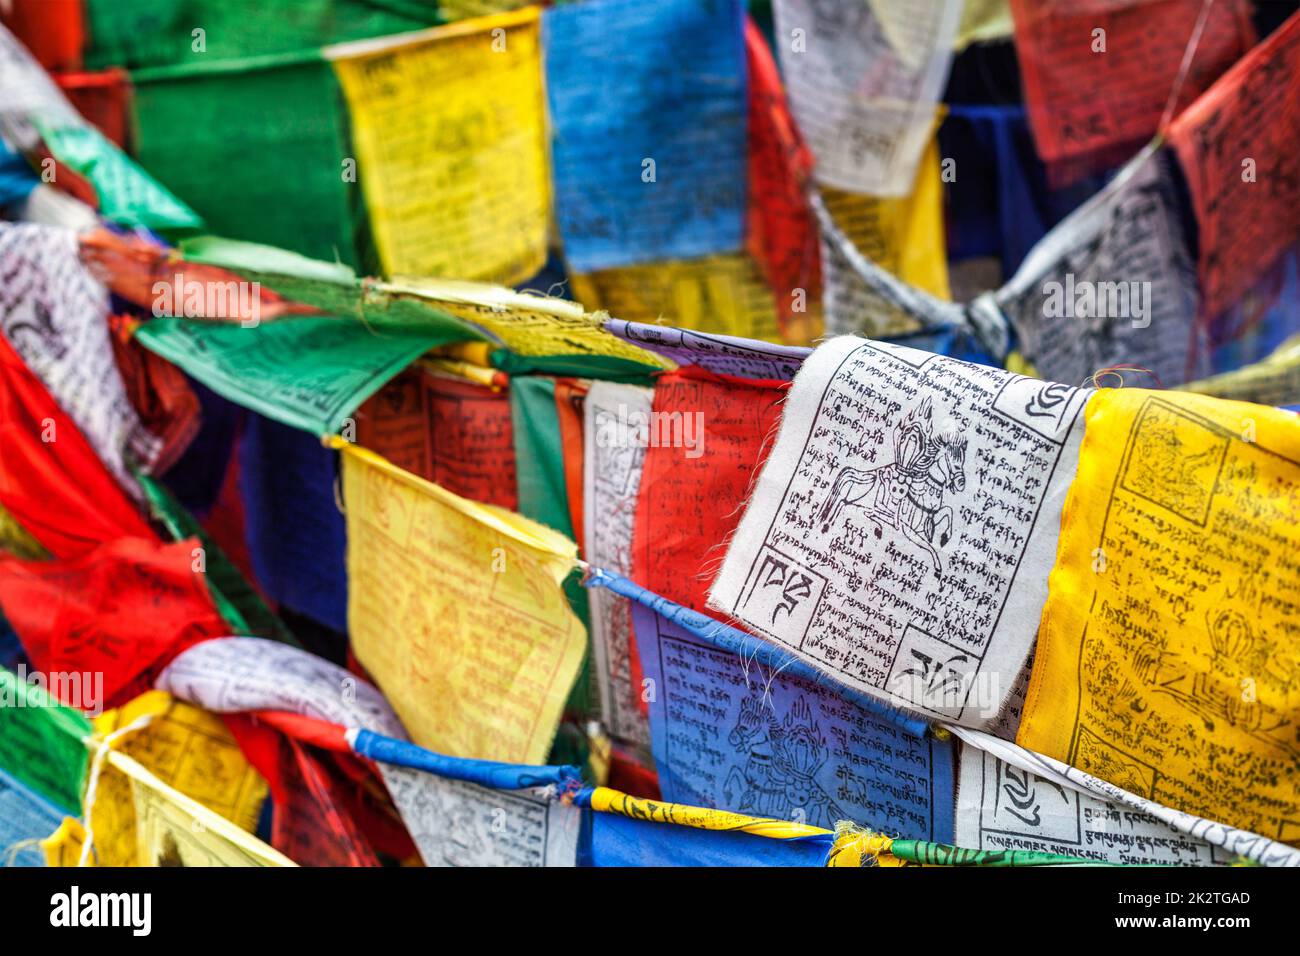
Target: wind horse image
x,y
907,494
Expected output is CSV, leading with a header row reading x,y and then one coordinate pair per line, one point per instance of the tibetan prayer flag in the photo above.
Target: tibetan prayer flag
x,y
55,316
648,117
171,829
450,135
1232,842
235,675
900,535
1004,808
311,373
616,435
1167,653
51,480
120,613
455,823
456,610
141,33
728,732
258,147
186,748
1237,148
724,294
1112,284
863,80
708,436
455,433
1099,76
40,739
782,233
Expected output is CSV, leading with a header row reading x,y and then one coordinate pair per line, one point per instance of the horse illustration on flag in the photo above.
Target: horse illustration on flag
x,y
907,494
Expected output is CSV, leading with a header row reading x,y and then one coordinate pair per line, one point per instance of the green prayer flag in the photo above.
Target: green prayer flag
x,y
143,33
127,194
543,496
40,741
258,149
310,373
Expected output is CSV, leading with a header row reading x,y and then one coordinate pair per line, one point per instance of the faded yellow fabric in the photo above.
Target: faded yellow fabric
x,y
184,747
903,236
455,609
983,20
723,294
170,829
15,539
526,324
1168,658
1273,381
450,135
174,830
605,800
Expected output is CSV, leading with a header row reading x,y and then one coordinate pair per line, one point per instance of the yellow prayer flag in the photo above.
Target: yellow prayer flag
x,y
1274,380
527,324
724,294
450,133
184,747
1168,658
903,236
455,609
169,828
173,830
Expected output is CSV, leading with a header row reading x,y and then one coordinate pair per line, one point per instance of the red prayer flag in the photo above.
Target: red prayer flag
x,y
709,436
782,235
329,809
455,433
159,392
51,480
123,610
1237,147
1098,75
53,30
